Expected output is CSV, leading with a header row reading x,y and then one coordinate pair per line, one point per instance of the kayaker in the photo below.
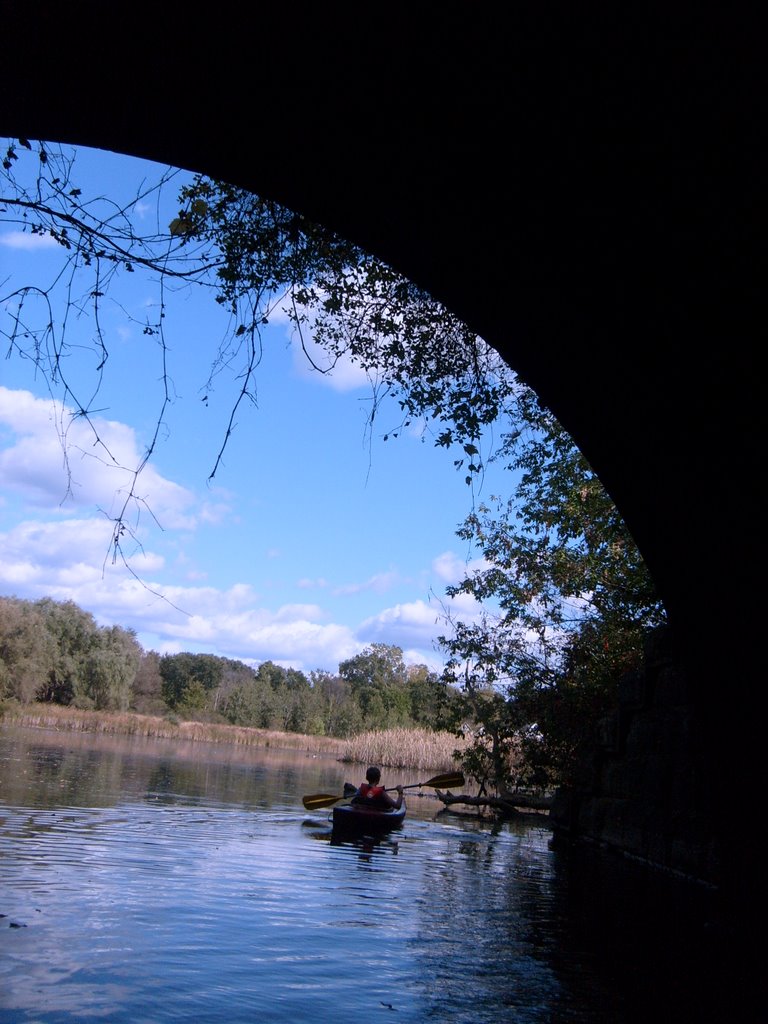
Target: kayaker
x,y
372,794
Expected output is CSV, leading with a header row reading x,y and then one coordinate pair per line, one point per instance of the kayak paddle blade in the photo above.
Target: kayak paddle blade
x,y
318,800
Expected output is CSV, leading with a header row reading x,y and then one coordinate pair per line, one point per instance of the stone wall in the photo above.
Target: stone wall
x,y
644,789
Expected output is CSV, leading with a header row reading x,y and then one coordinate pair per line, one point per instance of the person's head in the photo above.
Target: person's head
x,y
373,775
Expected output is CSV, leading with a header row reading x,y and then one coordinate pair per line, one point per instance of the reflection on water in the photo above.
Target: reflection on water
x,y
145,882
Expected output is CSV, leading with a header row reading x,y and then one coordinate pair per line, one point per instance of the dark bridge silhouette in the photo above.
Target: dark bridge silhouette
x,y
582,190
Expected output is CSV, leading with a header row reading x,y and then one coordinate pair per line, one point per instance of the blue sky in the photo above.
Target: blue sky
x,y
315,538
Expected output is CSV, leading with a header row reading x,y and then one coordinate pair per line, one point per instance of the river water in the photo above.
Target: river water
x,y
145,883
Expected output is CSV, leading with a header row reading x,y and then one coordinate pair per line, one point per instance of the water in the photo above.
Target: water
x,y
151,883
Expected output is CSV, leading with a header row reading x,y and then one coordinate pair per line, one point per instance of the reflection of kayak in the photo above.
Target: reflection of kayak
x,y
353,817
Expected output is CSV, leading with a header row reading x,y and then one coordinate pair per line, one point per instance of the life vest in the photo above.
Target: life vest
x,y
370,794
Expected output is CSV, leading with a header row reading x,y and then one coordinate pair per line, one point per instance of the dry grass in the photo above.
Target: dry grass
x,y
395,748
63,719
404,748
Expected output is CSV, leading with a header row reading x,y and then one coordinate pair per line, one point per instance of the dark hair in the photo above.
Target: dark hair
x,y
373,775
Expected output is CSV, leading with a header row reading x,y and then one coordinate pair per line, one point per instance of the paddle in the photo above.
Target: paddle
x,y
318,800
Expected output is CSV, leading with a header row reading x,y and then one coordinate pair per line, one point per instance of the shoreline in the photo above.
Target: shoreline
x,y
63,719
394,748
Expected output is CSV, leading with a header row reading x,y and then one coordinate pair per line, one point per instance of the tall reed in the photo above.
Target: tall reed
x,y
404,748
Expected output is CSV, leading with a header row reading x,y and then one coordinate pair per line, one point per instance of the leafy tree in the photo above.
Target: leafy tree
x,y
341,715
110,670
430,698
74,633
350,305
250,704
298,711
286,699
234,674
575,602
296,681
377,680
146,692
190,681
262,699
282,678
55,651
26,649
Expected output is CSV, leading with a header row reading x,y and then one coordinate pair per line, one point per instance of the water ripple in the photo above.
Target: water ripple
x,y
165,905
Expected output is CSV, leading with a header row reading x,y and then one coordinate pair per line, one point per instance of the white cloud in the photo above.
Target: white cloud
x,y
60,460
66,556
291,635
213,513
311,362
434,661
413,623
308,584
450,569
379,583
65,560
26,241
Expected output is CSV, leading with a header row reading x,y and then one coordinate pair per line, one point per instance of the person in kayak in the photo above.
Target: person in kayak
x,y
372,794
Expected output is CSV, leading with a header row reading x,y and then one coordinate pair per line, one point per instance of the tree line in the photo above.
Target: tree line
x,y
55,652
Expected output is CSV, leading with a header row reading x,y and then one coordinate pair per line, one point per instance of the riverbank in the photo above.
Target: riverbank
x,y
395,748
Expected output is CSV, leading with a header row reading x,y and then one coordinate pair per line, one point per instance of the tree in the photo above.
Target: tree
x,y
190,681
252,703
146,693
430,698
377,681
575,602
55,651
73,632
340,712
110,670
27,649
344,303
291,705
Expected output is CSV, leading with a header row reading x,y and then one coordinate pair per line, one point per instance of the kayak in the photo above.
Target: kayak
x,y
353,817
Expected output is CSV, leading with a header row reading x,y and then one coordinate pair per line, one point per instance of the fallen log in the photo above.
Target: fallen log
x,y
509,804
531,801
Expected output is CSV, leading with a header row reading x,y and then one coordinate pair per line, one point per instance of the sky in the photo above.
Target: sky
x,y
314,539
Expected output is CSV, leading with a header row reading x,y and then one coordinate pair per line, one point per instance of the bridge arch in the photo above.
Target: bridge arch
x,y
582,195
